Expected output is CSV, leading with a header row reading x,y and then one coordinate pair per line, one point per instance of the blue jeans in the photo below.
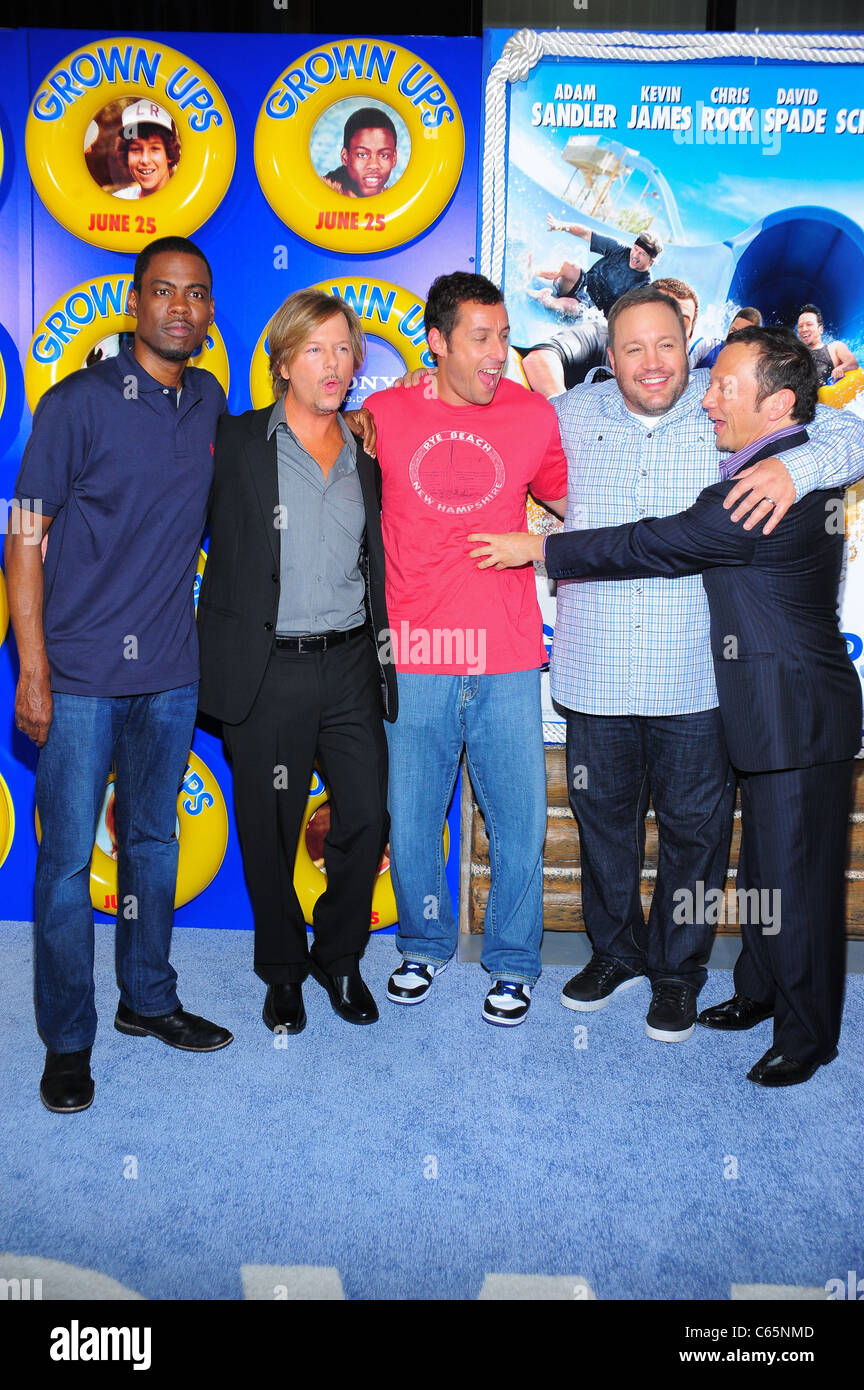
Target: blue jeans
x,y
497,719
613,763
148,738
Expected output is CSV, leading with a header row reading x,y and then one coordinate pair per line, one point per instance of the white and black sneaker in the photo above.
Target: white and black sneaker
x,y
672,1015
507,1002
413,980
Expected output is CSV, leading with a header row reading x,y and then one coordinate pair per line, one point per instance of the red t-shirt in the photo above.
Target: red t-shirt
x,y
449,470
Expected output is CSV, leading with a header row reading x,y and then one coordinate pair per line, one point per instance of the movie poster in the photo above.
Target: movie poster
x,y
747,175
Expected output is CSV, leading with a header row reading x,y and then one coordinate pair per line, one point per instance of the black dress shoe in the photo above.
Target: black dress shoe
x,y
186,1031
348,995
283,1008
776,1070
66,1084
735,1014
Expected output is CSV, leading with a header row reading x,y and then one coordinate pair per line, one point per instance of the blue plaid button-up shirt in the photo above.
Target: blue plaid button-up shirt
x,y
641,646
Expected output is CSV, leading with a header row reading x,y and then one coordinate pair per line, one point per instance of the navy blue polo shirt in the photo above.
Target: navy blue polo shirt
x,y
125,471
612,275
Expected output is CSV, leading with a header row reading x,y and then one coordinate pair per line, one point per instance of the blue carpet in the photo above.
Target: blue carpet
x,y
424,1153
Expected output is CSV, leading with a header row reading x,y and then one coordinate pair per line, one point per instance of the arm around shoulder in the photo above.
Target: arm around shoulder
x,y
699,538
833,455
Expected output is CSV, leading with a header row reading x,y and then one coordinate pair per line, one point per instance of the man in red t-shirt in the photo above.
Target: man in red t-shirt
x,y
467,644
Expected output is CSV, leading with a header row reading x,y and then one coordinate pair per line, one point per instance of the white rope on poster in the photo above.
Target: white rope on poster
x,y
524,50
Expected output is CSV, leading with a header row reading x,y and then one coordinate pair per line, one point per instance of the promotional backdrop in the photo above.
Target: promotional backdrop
x,y
746,164
249,127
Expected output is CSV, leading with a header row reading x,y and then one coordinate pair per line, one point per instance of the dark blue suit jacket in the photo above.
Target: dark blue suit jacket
x,y
789,695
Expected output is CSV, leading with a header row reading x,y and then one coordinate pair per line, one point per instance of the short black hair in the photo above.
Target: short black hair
x,y
812,309
180,244
367,118
449,292
784,363
646,294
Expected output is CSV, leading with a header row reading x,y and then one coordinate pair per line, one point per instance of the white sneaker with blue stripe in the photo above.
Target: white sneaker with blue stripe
x,y
507,1002
413,980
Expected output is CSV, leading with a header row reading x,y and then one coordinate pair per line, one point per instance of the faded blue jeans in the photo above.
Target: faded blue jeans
x,y
498,720
148,738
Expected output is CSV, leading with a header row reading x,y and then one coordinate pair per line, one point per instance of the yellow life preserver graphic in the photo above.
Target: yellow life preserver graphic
x,y
513,369
2,385
199,575
81,321
854,514
844,391
4,609
385,311
374,73
310,879
202,829
117,79
7,821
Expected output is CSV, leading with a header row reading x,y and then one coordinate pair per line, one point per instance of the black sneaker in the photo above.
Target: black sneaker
x,y
594,987
672,1015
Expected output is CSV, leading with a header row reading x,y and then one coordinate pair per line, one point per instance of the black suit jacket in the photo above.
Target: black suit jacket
x,y
239,597
789,695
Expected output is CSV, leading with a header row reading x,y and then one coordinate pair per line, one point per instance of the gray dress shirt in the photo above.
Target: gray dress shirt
x,y
322,524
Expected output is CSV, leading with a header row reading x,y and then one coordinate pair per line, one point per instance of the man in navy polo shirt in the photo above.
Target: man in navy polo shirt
x,y
117,473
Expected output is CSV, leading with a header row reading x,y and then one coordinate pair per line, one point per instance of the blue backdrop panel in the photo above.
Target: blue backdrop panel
x,y
256,262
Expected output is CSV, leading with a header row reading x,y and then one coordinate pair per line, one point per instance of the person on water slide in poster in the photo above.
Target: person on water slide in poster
x,y
620,268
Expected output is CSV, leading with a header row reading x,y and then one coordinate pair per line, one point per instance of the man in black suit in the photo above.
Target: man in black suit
x,y
292,595
789,697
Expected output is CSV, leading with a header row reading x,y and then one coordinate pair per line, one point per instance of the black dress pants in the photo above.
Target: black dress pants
x,y
612,763
794,831
324,707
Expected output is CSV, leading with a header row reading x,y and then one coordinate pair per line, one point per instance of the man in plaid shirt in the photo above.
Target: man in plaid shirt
x,y
631,661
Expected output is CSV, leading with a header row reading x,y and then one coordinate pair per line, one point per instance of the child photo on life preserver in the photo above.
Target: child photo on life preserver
x,y
132,149
359,146
373,150
109,346
128,140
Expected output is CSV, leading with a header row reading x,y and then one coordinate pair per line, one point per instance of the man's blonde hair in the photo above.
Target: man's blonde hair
x,y
296,321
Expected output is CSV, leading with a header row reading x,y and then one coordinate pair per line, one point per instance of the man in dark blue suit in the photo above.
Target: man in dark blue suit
x,y
789,697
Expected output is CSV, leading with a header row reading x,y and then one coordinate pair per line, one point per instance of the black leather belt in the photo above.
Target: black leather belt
x,y
319,642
